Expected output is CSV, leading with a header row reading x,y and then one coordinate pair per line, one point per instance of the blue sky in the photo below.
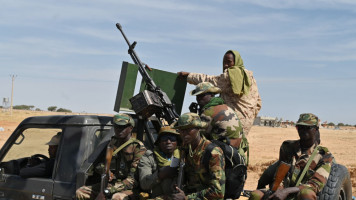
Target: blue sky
x,y
69,53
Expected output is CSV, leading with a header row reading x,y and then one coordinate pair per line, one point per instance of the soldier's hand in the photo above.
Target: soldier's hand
x,y
111,176
182,75
280,194
167,172
180,195
83,192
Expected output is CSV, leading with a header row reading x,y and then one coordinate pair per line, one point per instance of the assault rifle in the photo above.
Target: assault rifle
x,y
280,174
153,100
181,170
104,193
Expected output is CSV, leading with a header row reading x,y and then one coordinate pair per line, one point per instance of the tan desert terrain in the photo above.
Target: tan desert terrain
x,y
264,144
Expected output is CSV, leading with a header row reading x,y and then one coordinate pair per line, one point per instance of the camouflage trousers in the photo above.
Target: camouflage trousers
x,y
91,192
304,194
246,123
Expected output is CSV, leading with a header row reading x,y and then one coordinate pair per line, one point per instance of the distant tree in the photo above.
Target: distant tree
x,y
340,124
331,124
23,107
37,109
52,108
0,106
63,110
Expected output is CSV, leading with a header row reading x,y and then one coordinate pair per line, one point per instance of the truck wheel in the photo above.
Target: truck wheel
x,y
338,186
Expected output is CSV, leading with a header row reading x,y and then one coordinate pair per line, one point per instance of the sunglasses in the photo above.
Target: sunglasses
x,y
304,128
165,138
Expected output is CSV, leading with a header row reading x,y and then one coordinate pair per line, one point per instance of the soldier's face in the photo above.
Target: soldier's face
x,y
228,61
189,135
122,132
168,143
203,99
307,134
52,150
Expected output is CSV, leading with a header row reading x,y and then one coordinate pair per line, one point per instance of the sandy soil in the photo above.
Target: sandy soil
x,y
264,144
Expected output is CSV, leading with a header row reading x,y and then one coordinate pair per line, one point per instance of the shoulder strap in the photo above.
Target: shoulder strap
x,y
207,155
244,145
131,140
307,165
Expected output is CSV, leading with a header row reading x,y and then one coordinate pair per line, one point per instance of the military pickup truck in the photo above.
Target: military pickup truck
x,y
82,145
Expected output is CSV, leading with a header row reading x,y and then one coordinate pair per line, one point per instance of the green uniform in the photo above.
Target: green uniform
x,y
125,163
221,119
317,175
319,169
200,183
148,177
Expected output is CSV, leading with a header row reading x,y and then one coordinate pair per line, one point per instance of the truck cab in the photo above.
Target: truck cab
x,y
82,145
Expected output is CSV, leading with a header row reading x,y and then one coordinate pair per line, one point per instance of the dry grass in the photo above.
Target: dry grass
x,y
264,144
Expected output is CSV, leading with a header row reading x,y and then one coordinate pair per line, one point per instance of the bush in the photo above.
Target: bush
x,y
340,124
331,124
37,109
23,107
63,110
52,108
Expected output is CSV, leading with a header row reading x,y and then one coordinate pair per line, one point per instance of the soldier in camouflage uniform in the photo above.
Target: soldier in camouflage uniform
x,y
239,88
125,161
222,120
200,183
155,174
297,153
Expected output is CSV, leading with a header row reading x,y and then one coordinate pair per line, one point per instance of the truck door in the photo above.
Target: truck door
x,y
28,152
15,187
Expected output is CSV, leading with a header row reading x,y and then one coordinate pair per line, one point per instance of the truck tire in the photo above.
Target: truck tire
x,y
338,186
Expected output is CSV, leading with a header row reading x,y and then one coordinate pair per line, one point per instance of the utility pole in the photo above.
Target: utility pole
x,y
12,91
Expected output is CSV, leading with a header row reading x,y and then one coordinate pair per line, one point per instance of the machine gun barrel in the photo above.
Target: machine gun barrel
x,y
136,59
168,111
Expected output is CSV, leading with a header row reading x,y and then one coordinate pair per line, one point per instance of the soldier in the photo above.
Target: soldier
x,y
42,169
222,120
298,153
155,174
201,183
239,88
125,180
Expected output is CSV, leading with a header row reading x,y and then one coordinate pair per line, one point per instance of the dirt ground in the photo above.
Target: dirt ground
x,y
264,144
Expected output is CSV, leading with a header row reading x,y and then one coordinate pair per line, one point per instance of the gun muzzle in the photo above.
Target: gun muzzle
x,y
118,25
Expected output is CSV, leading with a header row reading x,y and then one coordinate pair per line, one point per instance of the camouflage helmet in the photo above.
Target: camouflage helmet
x,y
123,119
308,119
190,120
165,130
205,87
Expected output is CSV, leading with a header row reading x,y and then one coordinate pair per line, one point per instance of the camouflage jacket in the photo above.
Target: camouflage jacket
x,y
222,121
148,176
125,163
319,169
246,106
201,184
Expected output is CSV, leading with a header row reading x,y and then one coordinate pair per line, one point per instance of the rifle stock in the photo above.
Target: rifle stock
x,y
168,111
106,175
282,171
181,170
